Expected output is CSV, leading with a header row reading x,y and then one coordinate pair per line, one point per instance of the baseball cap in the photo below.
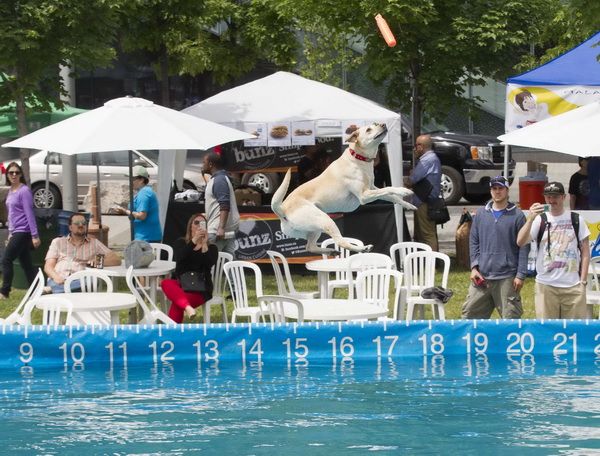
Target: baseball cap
x,y
139,171
500,180
554,188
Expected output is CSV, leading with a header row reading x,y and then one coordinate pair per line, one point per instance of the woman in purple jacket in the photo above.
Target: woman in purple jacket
x,y
22,229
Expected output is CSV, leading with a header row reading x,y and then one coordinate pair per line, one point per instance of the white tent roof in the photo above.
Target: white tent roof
x,y
287,97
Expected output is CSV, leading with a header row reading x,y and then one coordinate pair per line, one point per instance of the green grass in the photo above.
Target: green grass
x,y
458,282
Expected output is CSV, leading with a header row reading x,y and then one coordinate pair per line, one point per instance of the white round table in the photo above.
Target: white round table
x,y
337,309
323,268
89,302
156,269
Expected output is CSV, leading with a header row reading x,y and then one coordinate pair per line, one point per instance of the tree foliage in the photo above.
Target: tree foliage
x,y
181,36
573,22
38,36
442,44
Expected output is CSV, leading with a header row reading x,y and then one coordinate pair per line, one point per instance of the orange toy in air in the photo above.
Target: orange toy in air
x,y
384,28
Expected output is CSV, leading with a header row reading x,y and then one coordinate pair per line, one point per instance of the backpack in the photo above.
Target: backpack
x,y
574,222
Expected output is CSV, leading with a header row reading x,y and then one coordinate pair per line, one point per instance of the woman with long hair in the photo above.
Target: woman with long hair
x,y
22,229
192,253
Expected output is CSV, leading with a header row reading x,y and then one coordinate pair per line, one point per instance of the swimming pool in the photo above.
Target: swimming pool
x,y
443,388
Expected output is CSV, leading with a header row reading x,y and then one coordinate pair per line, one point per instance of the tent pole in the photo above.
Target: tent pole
x,y
131,219
506,154
99,198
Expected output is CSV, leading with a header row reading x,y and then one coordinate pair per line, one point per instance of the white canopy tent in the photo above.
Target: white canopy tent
x,y
133,123
289,97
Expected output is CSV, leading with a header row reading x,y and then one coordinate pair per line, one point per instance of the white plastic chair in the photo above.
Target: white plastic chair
x,y
279,308
373,286
152,314
364,262
341,277
593,289
419,274
158,249
218,294
57,311
91,280
286,285
22,314
235,271
399,250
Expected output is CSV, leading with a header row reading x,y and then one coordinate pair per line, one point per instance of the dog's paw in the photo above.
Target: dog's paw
x,y
368,248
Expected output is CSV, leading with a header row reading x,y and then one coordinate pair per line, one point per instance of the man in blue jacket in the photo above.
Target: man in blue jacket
x,y
498,264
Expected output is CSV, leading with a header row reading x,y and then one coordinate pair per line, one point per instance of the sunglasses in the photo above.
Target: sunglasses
x,y
79,222
498,180
198,222
14,173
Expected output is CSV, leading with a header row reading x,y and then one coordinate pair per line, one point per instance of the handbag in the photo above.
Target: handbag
x,y
192,282
138,254
437,211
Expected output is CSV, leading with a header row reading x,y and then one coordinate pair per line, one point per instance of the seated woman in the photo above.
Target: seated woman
x,y
192,253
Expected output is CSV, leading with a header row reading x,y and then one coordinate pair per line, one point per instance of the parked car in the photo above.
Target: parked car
x,y
113,167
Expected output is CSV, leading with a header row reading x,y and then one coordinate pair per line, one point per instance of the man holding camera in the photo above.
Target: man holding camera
x,y
498,264
563,255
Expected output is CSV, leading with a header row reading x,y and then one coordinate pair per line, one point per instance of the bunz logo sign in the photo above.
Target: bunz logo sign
x,y
254,238
243,159
259,232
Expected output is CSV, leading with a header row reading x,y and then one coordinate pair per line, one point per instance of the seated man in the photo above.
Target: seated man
x,y
72,253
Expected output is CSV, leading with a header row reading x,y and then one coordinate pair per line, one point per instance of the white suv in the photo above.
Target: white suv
x,y
113,167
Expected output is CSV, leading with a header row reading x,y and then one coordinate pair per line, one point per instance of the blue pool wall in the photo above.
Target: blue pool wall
x,y
124,345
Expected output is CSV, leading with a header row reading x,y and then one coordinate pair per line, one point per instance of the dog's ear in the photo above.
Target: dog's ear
x,y
353,137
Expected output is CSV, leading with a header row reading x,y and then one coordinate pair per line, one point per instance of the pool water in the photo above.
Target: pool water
x,y
472,404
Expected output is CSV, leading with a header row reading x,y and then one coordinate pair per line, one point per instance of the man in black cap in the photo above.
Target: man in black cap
x,y
498,264
563,255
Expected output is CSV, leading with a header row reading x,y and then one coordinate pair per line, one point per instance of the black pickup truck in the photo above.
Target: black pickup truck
x,y
468,162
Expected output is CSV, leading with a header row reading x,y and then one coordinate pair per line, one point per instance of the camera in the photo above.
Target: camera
x,y
481,283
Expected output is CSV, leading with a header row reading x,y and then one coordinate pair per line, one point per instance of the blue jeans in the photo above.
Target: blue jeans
x,y
60,288
225,245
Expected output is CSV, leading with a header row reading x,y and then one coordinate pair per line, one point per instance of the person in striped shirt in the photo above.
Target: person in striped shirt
x,y
72,253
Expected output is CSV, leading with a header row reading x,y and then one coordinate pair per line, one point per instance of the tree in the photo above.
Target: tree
x,y
180,35
36,37
574,22
442,44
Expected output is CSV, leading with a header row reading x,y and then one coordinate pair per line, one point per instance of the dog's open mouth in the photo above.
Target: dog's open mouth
x,y
383,132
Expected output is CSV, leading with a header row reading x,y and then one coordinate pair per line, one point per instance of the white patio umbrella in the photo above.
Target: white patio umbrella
x,y
573,133
131,123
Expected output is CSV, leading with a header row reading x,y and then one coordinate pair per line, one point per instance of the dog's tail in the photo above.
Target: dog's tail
x,y
279,195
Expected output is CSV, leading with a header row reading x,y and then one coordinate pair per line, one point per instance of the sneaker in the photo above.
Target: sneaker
x,y
3,297
47,290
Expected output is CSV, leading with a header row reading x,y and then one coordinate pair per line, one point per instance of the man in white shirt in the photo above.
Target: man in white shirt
x,y
563,256
220,205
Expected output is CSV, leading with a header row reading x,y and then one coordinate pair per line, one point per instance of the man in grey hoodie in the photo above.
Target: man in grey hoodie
x,y
498,264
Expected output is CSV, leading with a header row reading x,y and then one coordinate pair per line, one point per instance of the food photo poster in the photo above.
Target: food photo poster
x,y
279,134
303,133
259,130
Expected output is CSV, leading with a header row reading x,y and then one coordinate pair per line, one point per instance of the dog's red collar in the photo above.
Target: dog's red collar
x,y
360,157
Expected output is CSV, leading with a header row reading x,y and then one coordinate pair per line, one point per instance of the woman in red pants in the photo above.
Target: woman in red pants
x,y
192,253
